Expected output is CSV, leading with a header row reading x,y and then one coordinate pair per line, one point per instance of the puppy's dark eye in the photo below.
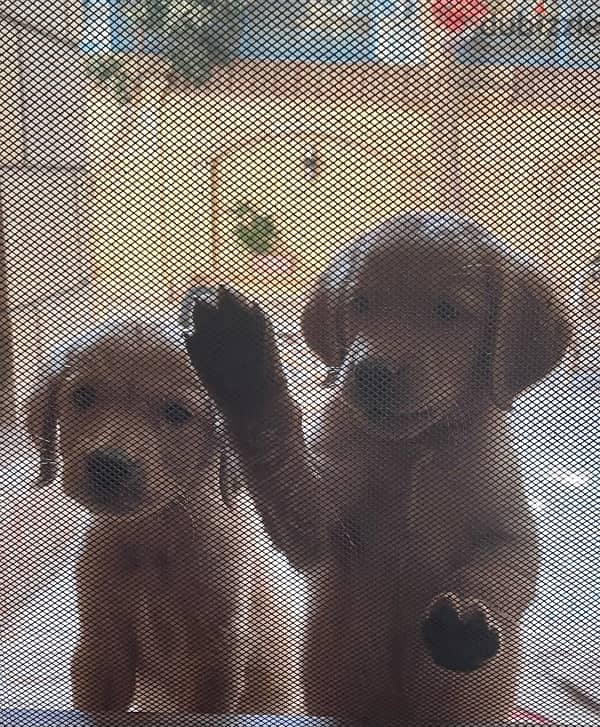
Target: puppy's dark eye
x,y
445,311
84,397
176,414
360,305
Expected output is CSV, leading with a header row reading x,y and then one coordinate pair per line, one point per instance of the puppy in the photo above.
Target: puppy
x,y
176,581
405,506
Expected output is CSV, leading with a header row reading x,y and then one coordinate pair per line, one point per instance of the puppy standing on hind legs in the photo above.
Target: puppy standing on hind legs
x,y
406,512
176,583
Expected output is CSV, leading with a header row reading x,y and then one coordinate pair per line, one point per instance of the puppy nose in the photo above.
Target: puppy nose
x,y
110,473
375,387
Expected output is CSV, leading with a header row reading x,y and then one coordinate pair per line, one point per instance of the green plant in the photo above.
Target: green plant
x,y
255,231
114,73
189,39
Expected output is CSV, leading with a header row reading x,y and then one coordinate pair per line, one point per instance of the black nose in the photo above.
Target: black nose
x,y
375,389
112,477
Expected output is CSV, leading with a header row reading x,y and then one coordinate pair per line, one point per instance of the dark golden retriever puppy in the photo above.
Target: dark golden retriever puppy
x,y
405,506
176,582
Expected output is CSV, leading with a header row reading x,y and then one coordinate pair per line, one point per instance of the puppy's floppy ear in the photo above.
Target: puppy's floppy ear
x,y
41,421
321,324
322,316
41,409
532,333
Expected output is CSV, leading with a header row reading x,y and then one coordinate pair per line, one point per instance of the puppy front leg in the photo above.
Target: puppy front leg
x,y
104,664
103,670
463,626
234,353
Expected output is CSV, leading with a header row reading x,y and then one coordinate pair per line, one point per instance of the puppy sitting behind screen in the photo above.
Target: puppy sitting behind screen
x,y
406,508
176,580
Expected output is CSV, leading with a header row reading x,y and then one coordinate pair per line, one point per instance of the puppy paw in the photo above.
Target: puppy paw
x,y
460,637
232,349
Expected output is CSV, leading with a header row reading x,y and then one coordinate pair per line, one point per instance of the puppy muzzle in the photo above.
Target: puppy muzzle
x,y
113,481
379,389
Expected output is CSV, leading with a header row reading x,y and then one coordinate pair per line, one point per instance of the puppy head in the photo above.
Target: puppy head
x,y
136,429
428,316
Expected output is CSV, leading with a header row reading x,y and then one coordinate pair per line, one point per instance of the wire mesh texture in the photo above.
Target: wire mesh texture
x,y
300,360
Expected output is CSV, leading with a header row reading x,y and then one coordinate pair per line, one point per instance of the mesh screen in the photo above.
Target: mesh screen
x,y
299,360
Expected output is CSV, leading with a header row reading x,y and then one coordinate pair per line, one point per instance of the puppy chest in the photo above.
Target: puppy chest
x,y
165,569
174,634
437,523
178,605
427,538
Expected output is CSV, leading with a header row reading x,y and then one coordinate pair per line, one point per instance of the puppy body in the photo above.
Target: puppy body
x,y
406,489
176,579
406,519
430,502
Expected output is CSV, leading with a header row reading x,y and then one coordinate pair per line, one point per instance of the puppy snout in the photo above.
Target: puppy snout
x,y
113,479
379,389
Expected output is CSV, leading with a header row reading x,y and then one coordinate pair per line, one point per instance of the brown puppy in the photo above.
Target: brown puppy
x,y
176,579
407,512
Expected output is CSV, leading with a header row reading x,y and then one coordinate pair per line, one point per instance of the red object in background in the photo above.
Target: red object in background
x,y
457,15
539,8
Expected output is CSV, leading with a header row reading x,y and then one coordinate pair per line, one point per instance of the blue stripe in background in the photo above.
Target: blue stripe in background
x,y
272,30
